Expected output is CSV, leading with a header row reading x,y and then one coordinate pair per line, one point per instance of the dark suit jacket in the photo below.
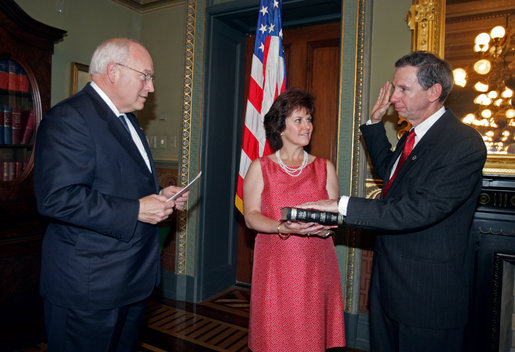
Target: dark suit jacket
x,y
88,177
423,255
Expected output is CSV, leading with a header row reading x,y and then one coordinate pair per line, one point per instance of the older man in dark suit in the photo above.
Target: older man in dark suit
x,y
96,182
423,259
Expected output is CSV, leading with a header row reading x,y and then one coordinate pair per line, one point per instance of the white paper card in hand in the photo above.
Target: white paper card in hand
x,y
187,187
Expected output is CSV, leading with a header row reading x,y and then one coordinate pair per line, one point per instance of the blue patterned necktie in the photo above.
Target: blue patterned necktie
x,y
124,122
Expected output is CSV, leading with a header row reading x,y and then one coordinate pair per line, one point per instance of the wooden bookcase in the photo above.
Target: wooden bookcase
x,y
26,54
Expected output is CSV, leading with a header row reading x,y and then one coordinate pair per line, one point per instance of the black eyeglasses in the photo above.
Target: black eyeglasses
x,y
144,76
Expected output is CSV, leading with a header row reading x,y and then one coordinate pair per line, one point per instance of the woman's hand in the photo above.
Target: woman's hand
x,y
306,229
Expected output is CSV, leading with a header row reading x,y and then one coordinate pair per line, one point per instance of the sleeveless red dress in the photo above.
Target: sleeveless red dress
x,y
296,299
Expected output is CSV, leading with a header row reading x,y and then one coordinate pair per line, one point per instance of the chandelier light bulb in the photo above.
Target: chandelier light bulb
x,y
510,113
482,99
486,113
507,93
480,86
482,39
482,66
497,32
498,102
490,133
493,94
469,118
480,48
460,77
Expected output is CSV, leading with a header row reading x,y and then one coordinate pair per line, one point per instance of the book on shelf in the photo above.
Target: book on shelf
x,y
310,215
17,125
2,138
9,170
4,74
8,125
13,77
29,127
19,168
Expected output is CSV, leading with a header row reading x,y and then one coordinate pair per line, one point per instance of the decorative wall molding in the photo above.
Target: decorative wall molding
x,y
353,263
184,167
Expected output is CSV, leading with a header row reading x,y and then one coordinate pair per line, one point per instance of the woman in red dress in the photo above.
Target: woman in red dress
x,y
296,296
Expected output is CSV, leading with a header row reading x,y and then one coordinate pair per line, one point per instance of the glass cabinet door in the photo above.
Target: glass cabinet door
x,y
18,120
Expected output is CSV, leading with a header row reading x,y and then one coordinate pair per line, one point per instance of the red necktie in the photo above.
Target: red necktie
x,y
408,147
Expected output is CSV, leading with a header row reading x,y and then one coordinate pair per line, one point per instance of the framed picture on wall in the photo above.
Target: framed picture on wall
x,y
80,77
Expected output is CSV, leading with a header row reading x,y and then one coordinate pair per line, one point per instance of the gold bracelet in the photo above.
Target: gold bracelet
x,y
282,236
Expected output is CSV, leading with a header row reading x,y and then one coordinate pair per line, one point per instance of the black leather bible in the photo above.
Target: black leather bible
x,y
305,215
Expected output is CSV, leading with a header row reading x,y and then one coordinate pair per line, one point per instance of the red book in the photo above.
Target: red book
x,y
29,128
22,78
13,79
17,123
4,74
19,167
23,81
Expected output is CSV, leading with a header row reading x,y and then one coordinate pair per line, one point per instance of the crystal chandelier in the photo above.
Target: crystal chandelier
x,y
492,79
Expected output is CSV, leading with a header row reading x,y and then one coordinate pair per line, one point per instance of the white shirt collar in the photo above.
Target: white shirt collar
x,y
425,125
105,98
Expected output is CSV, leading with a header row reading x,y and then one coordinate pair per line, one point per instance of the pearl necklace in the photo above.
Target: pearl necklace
x,y
292,171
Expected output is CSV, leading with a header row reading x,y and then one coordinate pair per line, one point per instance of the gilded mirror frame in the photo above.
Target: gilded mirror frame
x,y
426,19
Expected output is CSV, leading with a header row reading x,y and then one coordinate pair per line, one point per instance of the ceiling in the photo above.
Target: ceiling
x,y
144,6
294,12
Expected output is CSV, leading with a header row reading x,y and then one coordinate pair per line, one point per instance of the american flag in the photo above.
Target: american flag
x,y
267,81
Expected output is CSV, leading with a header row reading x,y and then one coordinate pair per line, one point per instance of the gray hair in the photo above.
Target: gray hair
x,y
431,70
112,50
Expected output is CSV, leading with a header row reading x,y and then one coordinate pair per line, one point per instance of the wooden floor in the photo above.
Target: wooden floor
x,y
218,324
